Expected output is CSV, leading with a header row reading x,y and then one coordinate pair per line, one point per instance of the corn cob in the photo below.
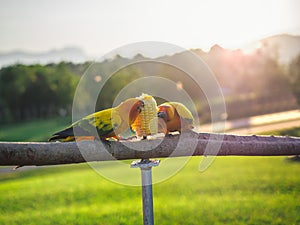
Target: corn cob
x,y
146,123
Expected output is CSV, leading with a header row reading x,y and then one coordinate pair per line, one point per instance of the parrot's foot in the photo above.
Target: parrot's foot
x,y
126,139
169,135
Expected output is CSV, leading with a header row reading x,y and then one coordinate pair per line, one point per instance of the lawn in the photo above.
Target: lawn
x,y
38,130
233,190
295,131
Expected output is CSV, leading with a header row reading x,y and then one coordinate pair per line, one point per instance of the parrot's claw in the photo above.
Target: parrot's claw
x,y
126,139
169,135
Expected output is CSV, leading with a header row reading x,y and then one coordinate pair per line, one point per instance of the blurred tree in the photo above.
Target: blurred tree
x,y
114,85
63,85
14,81
251,83
35,91
294,72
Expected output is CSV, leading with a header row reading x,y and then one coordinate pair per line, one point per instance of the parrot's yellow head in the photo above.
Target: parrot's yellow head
x,y
131,108
166,112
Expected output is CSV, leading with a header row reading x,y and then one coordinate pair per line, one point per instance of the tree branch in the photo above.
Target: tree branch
x,y
186,144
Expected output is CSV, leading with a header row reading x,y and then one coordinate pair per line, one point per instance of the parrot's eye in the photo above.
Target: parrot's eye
x,y
162,114
138,108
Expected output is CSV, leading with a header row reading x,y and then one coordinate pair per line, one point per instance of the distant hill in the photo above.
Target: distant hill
x,y
285,47
69,54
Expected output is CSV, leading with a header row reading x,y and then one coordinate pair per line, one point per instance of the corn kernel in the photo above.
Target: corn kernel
x,y
146,123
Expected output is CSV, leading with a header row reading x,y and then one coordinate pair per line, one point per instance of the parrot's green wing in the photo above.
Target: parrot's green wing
x,y
104,121
100,124
183,112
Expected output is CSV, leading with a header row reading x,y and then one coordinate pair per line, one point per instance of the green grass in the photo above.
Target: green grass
x,y
234,190
295,131
37,130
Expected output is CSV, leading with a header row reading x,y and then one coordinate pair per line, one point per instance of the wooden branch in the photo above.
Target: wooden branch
x,y
186,144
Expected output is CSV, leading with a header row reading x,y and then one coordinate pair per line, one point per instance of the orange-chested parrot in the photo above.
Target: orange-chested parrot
x,y
174,116
107,123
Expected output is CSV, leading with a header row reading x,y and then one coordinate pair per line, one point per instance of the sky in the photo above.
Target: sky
x,y
99,26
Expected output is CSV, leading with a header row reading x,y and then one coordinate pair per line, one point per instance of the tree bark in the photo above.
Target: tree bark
x,y
186,144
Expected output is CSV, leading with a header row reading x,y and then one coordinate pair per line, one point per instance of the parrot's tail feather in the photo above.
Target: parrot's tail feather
x,y
68,134
62,134
54,137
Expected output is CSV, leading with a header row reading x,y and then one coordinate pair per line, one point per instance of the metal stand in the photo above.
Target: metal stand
x,y
146,170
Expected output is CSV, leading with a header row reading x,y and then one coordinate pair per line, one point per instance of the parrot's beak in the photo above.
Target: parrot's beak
x,y
142,103
161,114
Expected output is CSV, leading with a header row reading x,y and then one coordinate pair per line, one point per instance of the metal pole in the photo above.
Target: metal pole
x,y
146,171
147,195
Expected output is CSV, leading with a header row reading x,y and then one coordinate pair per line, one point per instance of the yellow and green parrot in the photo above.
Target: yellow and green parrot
x,y
108,123
174,116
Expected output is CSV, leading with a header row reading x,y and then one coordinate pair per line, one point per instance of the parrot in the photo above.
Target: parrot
x,y
108,123
174,116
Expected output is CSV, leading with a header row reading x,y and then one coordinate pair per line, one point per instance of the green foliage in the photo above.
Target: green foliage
x,y
35,91
114,85
41,91
263,190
